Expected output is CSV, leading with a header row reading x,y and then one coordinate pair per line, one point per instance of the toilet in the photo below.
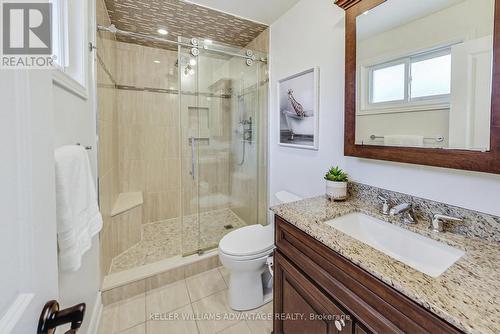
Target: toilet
x,y
245,252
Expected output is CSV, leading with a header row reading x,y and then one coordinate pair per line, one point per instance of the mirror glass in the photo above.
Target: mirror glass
x,y
424,74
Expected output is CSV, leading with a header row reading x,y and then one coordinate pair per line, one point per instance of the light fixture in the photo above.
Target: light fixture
x,y
192,62
156,61
162,31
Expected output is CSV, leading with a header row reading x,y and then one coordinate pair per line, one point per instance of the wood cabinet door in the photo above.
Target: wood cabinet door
x,y
359,329
301,307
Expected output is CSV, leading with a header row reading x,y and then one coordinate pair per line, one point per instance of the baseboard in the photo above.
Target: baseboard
x,y
96,315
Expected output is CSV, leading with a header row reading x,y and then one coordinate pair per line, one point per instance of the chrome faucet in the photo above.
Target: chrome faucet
x,y
437,222
405,209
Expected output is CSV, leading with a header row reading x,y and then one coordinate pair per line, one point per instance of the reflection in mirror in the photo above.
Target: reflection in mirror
x,y
424,74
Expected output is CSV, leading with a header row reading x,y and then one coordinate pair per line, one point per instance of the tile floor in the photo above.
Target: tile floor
x,y
168,238
171,309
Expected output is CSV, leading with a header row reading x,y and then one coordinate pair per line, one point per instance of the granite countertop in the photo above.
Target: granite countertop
x,y
467,295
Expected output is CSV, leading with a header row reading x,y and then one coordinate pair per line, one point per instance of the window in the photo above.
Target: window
x,y
60,29
420,77
69,24
388,83
430,76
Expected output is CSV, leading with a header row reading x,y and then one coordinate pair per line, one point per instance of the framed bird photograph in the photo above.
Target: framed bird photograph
x,y
298,108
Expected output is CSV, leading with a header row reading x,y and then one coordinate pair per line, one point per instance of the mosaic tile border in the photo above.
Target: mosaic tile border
x,y
172,91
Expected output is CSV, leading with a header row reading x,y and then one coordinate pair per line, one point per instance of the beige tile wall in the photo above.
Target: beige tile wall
x,y
124,232
148,129
249,181
260,43
108,134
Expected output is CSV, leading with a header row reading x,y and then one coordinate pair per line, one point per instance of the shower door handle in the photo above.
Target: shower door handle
x,y
192,141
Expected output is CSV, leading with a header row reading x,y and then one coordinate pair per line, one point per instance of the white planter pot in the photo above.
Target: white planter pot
x,y
336,191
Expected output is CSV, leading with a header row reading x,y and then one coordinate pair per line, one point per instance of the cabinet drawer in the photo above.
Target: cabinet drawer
x,y
303,306
378,306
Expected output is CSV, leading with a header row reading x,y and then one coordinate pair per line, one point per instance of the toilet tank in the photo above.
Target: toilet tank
x,y
282,197
286,197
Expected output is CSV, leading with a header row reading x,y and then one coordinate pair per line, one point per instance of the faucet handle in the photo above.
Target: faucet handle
x,y
437,223
383,199
386,203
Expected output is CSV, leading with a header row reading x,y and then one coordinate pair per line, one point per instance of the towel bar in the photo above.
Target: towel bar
x,y
439,139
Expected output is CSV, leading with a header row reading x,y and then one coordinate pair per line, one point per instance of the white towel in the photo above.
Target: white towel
x,y
78,216
404,140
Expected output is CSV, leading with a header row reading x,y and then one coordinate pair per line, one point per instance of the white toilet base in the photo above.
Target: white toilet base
x,y
248,283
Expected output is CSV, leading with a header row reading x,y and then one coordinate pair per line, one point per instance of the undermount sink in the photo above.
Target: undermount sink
x,y
421,253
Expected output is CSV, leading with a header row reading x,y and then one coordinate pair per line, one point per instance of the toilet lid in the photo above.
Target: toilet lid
x,y
249,240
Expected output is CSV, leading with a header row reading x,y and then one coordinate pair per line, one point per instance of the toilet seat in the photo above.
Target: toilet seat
x,y
246,243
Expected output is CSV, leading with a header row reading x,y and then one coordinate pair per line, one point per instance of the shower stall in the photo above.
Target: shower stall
x,y
183,136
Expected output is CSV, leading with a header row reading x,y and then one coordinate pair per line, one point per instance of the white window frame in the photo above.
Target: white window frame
x,y
60,33
365,89
426,56
374,68
70,44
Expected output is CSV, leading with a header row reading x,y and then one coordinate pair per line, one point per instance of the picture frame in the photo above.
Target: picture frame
x,y
298,109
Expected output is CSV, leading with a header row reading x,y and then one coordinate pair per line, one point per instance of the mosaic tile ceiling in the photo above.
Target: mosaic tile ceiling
x,y
180,19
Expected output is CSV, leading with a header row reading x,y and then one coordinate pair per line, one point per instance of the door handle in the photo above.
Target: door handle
x,y
52,317
192,141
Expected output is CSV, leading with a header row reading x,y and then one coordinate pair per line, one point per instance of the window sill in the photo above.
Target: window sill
x,y
402,109
69,84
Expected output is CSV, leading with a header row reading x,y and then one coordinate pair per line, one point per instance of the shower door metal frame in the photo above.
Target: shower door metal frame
x,y
193,43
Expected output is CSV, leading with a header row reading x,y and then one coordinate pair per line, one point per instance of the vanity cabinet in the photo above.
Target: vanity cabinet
x,y
316,290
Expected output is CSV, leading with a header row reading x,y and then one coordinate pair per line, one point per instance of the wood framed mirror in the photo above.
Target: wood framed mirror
x,y
421,86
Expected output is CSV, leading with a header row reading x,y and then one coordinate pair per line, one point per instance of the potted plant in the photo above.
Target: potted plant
x,y
336,184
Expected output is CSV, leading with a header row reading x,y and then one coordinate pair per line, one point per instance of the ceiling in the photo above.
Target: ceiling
x,y
264,11
394,13
180,19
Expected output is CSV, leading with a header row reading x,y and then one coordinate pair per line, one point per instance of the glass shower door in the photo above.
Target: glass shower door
x,y
190,135
220,115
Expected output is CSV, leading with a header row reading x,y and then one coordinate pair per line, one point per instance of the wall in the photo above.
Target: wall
x,y
148,132
75,122
312,34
